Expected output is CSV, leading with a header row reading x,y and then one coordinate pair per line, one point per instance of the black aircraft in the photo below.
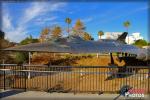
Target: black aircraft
x,y
75,44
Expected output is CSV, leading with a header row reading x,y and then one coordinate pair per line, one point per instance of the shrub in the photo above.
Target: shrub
x,y
21,57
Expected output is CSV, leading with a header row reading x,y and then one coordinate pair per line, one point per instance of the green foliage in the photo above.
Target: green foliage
x,y
78,28
79,25
2,34
45,31
126,24
28,40
100,33
5,56
140,43
56,32
21,57
44,34
68,20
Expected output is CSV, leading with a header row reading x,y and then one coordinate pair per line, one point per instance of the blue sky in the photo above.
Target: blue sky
x,y
20,19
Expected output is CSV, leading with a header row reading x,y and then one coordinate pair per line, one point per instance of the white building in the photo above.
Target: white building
x,y
114,35
146,47
133,37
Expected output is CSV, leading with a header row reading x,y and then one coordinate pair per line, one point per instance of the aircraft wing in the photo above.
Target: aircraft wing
x,y
76,45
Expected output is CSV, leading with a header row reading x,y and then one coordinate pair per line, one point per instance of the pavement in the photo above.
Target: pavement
x,y
38,95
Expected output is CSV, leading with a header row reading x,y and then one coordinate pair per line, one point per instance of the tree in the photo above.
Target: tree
x,y
140,43
87,36
100,33
126,25
43,34
79,28
68,21
79,25
56,32
2,34
23,56
28,40
5,56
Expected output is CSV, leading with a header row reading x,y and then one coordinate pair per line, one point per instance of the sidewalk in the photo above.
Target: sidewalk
x,y
37,95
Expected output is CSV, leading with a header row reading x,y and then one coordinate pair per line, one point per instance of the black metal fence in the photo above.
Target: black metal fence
x,y
93,79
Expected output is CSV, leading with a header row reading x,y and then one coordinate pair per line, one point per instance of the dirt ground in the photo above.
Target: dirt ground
x,y
76,81
72,60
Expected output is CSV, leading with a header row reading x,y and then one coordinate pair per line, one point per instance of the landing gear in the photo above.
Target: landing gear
x,y
113,68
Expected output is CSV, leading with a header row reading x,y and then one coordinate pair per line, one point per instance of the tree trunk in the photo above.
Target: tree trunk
x,y
128,35
68,30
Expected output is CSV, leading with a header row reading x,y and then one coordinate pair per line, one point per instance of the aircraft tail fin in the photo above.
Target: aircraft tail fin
x,y
122,37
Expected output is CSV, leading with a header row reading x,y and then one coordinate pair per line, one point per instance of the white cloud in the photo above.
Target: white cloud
x,y
35,10
40,8
6,21
86,20
11,33
43,20
17,34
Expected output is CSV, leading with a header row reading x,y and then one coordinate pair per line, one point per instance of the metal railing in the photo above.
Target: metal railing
x,y
93,79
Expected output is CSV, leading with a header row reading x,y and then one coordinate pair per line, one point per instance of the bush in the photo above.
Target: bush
x,y
28,40
21,57
140,43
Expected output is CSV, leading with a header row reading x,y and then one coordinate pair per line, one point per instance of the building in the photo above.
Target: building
x,y
146,47
114,35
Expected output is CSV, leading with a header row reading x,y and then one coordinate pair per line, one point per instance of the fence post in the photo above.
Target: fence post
x,y
148,78
47,76
126,74
25,88
4,76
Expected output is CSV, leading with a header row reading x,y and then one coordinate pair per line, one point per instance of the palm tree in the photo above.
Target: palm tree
x,y
68,21
100,33
126,25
